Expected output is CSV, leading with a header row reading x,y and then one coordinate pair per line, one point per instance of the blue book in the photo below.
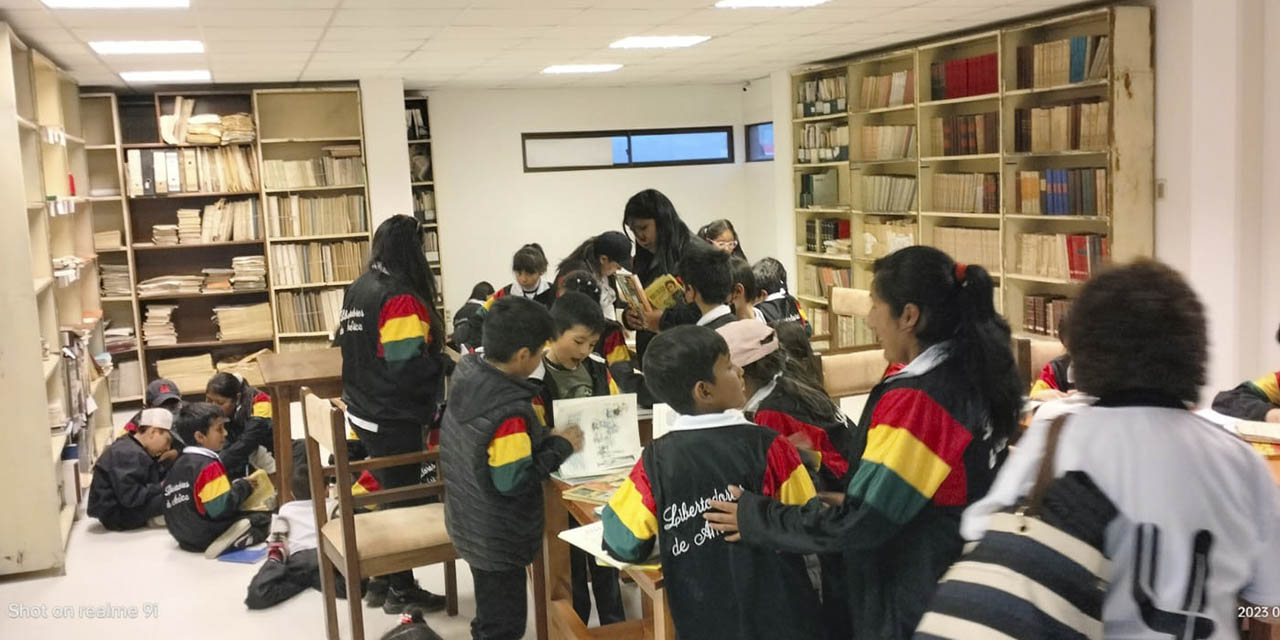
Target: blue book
x,y
244,556
1077,58
1060,176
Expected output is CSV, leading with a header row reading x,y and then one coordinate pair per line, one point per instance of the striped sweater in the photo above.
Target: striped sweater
x,y
753,593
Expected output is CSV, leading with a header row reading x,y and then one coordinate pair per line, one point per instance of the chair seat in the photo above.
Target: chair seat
x,y
388,532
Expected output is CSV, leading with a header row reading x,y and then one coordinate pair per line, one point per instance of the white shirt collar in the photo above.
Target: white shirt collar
x,y
759,314
761,394
200,450
730,418
474,301
518,290
780,295
722,310
925,362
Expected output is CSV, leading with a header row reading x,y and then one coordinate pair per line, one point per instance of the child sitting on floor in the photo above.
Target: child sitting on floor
x,y
127,489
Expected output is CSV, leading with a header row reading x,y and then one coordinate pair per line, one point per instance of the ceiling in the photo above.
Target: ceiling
x,y
489,43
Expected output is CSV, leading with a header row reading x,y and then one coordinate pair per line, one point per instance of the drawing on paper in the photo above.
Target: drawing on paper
x,y
610,430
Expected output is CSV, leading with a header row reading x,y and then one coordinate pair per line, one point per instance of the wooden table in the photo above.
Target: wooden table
x,y
284,375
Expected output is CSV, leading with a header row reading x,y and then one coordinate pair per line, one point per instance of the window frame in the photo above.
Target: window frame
x,y
746,142
727,130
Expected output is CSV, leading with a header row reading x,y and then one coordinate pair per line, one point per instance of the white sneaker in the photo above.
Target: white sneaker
x,y
235,533
157,522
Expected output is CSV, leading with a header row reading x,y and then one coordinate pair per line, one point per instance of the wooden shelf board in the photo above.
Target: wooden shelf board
x,y
812,299
1055,154
149,246
1035,336
35,205
116,298
105,198
312,139
304,334
819,165
324,188
200,194
956,214
73,139
902,107
126,399
1044,279
113,250
1060,87
312,285
50,365
430,225
101,147
166,145
822,210
818,337
217,294
890,161
27,124
821,118
971,156
1054,218
886,214
422,183
978,98
421,141
324,236
823,256
201,344
42,284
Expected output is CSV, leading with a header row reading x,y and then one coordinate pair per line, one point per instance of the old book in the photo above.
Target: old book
x,y
611,434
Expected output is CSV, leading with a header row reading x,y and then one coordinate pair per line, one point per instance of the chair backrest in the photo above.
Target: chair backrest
x,y
318,416
850,302
846,374
1042,351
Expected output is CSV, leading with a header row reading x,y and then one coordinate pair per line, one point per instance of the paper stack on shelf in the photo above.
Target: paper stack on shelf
x,y
204,128
250,273
237,128
66,269
243,322
293,215
164,234
217,279
125,379
166,285
111,239
189,226
191,372
115,280
120,339
158,327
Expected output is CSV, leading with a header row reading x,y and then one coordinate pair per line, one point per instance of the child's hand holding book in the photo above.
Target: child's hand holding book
x,y
572,433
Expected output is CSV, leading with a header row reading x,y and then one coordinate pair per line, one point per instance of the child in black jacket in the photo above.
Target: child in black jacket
x,y
128,481
467,321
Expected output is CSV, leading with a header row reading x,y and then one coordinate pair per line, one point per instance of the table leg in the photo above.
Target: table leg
x,y
663,629
540,599
281,402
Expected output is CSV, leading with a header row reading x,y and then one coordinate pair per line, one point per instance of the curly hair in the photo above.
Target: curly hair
x,y
1139,327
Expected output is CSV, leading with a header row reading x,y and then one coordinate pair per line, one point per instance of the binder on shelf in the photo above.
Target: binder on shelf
x,y
148,174
160,171
134,168
173,170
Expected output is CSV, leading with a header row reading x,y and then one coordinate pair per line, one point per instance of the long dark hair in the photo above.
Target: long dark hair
x,y
813,401
956,304
582,258
713,229
397,253
673,233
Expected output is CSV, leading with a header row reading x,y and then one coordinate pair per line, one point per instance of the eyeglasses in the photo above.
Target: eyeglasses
x,y
726,244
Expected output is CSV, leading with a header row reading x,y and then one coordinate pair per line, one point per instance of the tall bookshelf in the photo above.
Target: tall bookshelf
x,y
53,314
423,185
966,196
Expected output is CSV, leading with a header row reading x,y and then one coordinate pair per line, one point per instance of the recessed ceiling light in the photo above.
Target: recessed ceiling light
x,y
768,4
124,47
658,42
150,77
117,4
581,68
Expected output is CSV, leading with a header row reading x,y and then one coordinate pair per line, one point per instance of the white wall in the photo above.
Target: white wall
x,y
386,147
488,206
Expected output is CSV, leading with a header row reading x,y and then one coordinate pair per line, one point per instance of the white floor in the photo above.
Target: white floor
x,y
175,591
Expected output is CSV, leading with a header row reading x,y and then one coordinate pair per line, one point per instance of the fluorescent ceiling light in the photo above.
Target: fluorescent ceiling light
x,y
124,47
581,68
768,4
117,4
147,77
658,42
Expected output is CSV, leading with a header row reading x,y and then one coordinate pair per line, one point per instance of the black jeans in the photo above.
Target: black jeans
x,y
276,582
394,438
123,519
604,584
501,609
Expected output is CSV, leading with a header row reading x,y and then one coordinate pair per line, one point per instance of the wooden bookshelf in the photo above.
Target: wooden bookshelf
x,y
943,211
421,183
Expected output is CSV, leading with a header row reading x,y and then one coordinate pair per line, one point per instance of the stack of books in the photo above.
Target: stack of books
x,y
191,372
170,285
888,194
966,192
217,279
243,322
309,311
119,339
892,90
316,262
971,246
889,142
115,280
157,328
237,128
250,273
1043,314
164,234
336,169
189,226
111,239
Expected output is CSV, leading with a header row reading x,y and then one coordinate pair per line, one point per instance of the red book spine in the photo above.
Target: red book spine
x,y
952,80
1078,257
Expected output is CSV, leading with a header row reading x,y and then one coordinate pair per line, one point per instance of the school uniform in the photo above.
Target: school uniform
x,y
467,330
1250,400
782,307
127,487
717,317
543,294
716,589
201,501
248,428
832,439
928,451
1057,374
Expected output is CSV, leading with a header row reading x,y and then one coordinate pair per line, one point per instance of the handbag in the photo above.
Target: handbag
x,y
1038,572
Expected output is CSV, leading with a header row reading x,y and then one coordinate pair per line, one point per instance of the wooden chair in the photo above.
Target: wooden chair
x,y
362,545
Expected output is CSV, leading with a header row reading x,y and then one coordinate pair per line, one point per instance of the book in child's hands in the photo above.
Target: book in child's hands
x,y
590,538
610,434
664,292
1267,432
263,497
596,491
630,291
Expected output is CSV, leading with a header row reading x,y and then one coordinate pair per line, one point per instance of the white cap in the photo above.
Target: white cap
x,y
157,418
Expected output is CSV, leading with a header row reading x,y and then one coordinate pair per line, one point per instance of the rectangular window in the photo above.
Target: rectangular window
x,y
581,150
760,142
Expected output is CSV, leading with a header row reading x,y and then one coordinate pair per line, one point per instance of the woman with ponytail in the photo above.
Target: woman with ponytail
x,y
248,413
932,437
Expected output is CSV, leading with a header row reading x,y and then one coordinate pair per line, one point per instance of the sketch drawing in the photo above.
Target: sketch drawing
x,y
611,433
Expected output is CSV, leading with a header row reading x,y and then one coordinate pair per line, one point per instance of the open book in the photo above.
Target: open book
x,y
590,538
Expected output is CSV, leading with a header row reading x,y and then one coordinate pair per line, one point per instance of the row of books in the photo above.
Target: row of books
x,y
1080,125
424,205
970,246
119,339
888,193
309,311
822,96
415,122
888,142
1053,64
431,246
125,379
891,90
966,192
817,280
1063,192
236,220
819,234
243,322
823,142
1060,255
844,331
880,239
1043,314
249,273
294,215
197,170
965,135
326,171
973,76
819,189
318,262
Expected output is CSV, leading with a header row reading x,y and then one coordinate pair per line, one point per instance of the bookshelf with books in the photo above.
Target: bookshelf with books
x,y
1018,131
422,183
316,206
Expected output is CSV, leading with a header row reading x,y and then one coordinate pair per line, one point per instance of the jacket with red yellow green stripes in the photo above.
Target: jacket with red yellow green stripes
x,y
1250,400
200,501
927,452
716,589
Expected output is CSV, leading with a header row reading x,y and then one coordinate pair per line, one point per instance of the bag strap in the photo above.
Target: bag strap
x,y
1047,474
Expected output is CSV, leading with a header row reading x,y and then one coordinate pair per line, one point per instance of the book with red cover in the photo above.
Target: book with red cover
x,y
962,81
1078,256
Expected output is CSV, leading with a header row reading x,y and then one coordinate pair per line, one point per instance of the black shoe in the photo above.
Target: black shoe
x,y
412,598
376,592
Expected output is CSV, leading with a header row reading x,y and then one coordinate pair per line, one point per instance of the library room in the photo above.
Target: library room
x,y
640,319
